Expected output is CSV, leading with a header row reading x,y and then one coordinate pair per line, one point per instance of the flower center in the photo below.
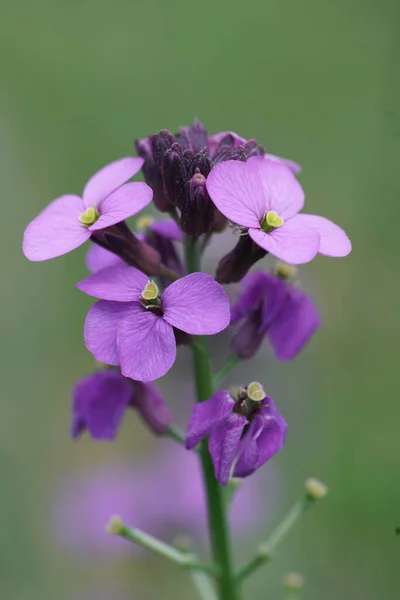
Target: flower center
x,y
270,221
89,217
248,400
255,391
150,298
144,222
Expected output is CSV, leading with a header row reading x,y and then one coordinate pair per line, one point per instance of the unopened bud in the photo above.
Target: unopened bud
x,y
316,489
198,136
115,525
293,582
174,173
197,211
234,265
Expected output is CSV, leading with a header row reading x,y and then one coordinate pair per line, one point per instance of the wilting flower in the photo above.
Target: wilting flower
x,y
133,325
244,433
271,307
162,494
100,401
70,220
160,235
264,198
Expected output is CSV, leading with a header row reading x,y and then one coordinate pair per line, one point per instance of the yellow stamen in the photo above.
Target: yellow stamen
x,y
151,291
89,217
255,391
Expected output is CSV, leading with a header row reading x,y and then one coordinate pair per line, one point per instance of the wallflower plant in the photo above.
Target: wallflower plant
x,y
152,297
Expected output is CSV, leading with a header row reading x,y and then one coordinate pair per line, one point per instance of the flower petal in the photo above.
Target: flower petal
x,y
146,346
273,435
294,325
333,240
109,178
205,415
125,202
56,230
249,455
98,258
196,304
101,399
168,229
100,331
224,443
259,289
281,190
294,167
236,191
292,243
151,406
120,284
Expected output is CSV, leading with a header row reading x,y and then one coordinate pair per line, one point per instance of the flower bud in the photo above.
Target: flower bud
x,y
253,148
152,173
174,173
197,212
234,265
293,582
115,526
200,164
151,406
198,136
316,490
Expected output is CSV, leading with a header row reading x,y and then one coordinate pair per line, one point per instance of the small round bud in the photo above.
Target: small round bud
x,y
293,582
151,291
144,222
115,525
89,217
316,489
255,391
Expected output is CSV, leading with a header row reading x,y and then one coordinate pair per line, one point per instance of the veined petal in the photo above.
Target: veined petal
x,y
281,190
109,178
56,230
124,202
98,258
120,284
248,453
333,240
294,325
205,415
236,191
146,346
101,328
196,304
224,444
292,242
168,229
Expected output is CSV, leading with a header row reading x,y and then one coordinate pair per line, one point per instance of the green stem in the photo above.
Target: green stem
x,y
204,586
226,369
267,549
217,517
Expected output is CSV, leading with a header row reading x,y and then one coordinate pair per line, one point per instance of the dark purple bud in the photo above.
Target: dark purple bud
x,y
152,173
237,154
197,212
160,143
220,221
198,136
249,336
151,406
226,143
182,137
253,148
200,163
234,265
174,175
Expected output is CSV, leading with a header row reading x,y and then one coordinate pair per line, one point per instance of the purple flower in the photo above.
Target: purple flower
x,y
160,235
249,147
70,220
264,198
270,306
100,401
244,433
133,325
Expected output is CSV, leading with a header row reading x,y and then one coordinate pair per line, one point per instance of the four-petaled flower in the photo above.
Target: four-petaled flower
x,y
133,324
69,221
264,198
244,433
270,306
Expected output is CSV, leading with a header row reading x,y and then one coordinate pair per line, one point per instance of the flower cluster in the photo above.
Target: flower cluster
x,y
148,302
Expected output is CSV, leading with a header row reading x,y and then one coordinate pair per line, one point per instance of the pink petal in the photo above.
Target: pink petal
x,y
333,240
236,191
146,346
121,284
98,258
282,192
125,202
168,229
109,178
56,230
207,414
101,328
196,304
291,243
224,444
293,166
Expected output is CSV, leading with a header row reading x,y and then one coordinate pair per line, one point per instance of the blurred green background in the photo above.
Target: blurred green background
x,y
316,81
